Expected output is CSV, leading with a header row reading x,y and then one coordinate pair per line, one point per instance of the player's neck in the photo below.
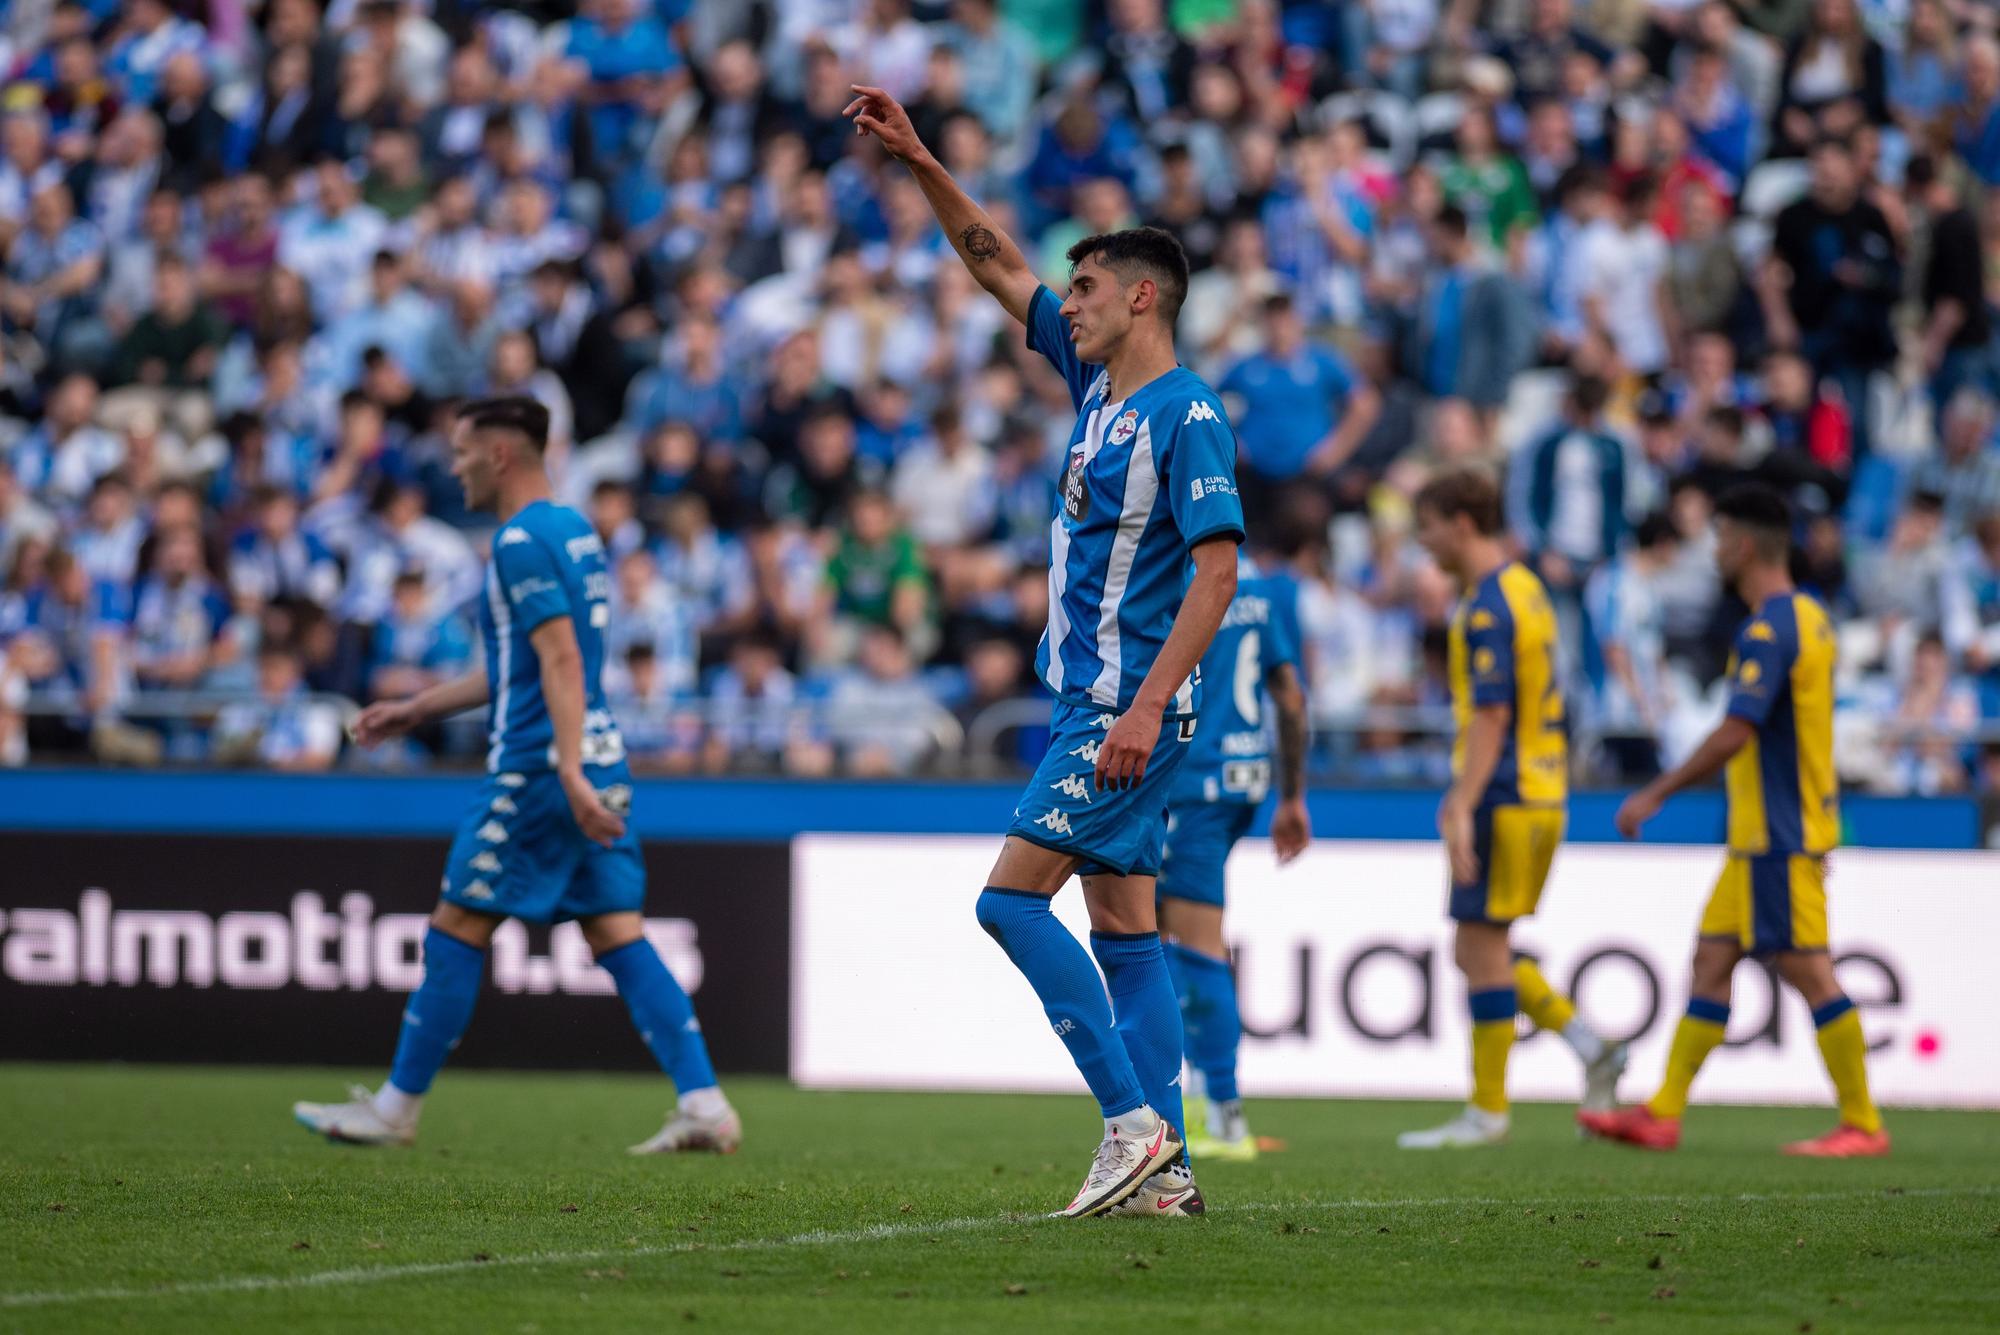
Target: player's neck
x,y
1760,584
1143,357
518,493
1481,560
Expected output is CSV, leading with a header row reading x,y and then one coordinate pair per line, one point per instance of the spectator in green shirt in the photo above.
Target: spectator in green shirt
x,y
876,577
174,345
1487,182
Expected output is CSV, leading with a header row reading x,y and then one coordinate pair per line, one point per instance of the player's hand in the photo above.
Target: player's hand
x,y
599,823
1455,824
1635,811
381,721
1121,759
874,112
1291,829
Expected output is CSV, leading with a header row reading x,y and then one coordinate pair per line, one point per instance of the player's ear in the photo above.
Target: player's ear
x,y
1144,296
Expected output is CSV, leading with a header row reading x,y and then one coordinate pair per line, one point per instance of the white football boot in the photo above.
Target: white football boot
x,y
1167,1194
355,1122
1600,1078
720,1133
1134,1148
1474,1126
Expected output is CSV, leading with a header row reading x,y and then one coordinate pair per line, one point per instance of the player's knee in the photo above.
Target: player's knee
x,y
1810,973
998,908
475,929
611,931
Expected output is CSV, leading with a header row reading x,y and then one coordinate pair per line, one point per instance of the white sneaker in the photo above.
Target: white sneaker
x,y
1125,1159
355,1122
685,1132
1474,1126
1167,1194
1600,1078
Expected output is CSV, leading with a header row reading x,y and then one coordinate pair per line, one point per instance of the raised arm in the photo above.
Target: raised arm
x,y
989,253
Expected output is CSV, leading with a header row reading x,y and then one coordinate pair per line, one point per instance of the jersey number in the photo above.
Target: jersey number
x,y
1248,660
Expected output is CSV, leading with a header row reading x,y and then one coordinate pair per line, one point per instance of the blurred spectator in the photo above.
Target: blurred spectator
x,y
1624,263
1972,610
1833,275
1625,658
1570,501
880,709
415,646
1834,78
754,717
274,559
1303,410
662,734
649,613
1965,471
1958,327
876,576
1935,710
281,728
944,485
179,617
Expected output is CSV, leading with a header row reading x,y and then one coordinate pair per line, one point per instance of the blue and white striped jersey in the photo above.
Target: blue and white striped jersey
x,y
547,562
1229,759
1146,479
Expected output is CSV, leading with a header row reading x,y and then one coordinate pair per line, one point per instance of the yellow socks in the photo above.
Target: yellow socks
x,y
1548,1008
1699,1032
1492,1039
1845,1052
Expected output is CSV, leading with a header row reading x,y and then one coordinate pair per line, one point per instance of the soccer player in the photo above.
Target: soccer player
x,y
1142,568
1776,743
1254,658
547,840
1505,810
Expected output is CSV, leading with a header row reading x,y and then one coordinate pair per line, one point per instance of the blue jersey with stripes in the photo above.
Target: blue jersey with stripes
x,y
1229,759
1146,478
547,562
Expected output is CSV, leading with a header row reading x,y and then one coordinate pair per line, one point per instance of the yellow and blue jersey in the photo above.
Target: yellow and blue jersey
x,y
1783,794
1503,652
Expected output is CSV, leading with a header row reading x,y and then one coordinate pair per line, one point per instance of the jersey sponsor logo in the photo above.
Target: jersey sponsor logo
x,y
1072,786
589,544
1126,427
1088,751
485,861
1076,496
529,587
1212,486
1056,820
493,832
510,536
1200,411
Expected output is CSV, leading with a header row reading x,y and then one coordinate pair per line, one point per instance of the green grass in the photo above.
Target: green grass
x,y
169,1199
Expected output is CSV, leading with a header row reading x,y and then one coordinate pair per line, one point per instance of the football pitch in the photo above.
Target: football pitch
x,y
176,1199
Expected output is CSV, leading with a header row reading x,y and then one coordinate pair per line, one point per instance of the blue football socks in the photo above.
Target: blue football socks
x,y
1072,995
438,1011
1148,1015
1208,1013
663,1014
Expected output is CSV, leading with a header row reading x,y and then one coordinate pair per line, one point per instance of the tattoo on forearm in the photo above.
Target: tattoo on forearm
x,y
979,243
1292,734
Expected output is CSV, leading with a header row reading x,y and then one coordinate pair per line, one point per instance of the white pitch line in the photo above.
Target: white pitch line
x,y
883,1231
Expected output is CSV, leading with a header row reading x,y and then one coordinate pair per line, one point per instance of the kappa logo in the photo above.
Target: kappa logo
x,y
1105,721
493,832
512,780
486,862
1200,411
503,805
1126,427
1482,620
478,890
1088,751
1760,630
1072,786
1056,820
510,536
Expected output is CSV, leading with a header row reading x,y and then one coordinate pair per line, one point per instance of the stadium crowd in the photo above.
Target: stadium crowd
x,y
1629,251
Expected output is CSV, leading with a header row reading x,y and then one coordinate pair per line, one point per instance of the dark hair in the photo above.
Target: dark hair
x,y
1141,252
1451,220
1928,502
1578,178
1588,394
510,412
1725,417
1656,530
1763,511
1465,492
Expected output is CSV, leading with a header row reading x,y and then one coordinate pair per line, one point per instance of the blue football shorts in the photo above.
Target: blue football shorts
x,y
520,854
1114,831
1199,837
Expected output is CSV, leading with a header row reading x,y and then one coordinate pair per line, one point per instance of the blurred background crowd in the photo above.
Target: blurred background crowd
x,y
1626,251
